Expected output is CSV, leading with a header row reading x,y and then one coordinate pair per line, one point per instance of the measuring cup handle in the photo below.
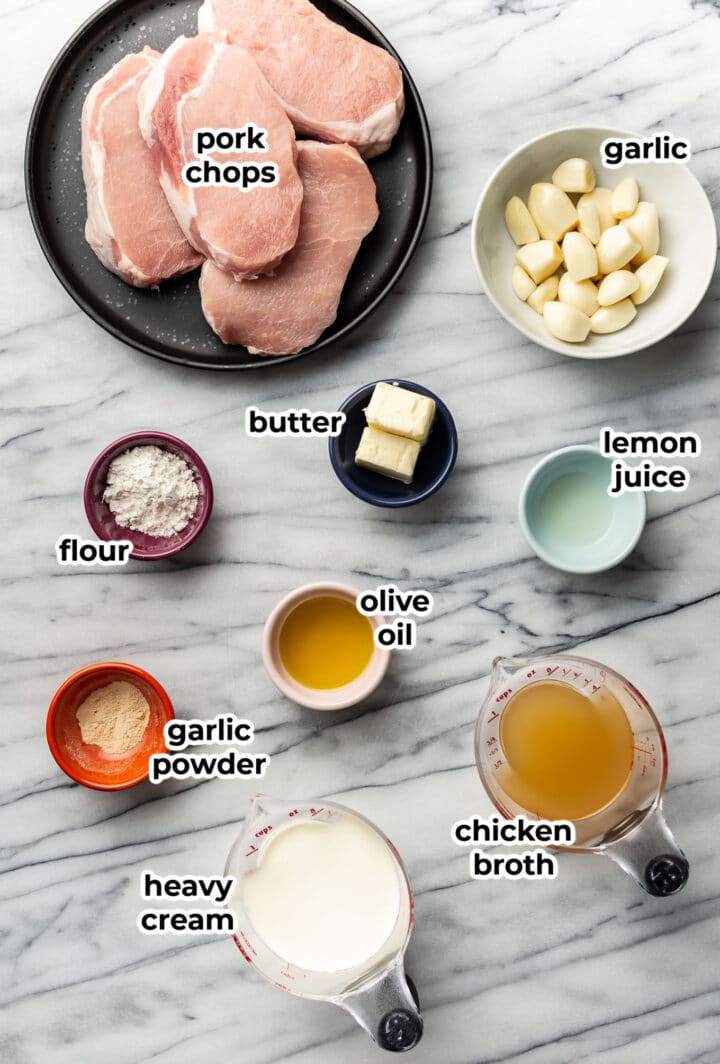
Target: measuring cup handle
x,y
652,857
388,1009
666,874
399,1031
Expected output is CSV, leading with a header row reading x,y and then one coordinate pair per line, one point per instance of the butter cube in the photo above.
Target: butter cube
x,y
402,412
393,456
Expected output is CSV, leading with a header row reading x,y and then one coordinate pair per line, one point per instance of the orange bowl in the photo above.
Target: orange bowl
x,y
86,763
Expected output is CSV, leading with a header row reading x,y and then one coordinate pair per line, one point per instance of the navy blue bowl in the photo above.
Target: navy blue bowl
x,y
434,465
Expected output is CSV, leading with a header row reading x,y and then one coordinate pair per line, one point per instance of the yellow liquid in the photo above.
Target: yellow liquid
x,y
325,643
568,754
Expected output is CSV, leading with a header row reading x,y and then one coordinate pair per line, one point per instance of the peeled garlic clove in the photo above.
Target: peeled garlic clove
x,y
644,225
588,220
648,277
625,198
616,286
520,225
601,199
523,286
566,322
610,319
552,210
615,249
579,255
539,259
574,175
580,294
544,292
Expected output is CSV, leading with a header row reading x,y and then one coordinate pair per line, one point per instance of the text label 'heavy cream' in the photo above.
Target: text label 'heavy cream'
x,y
215,889
400,634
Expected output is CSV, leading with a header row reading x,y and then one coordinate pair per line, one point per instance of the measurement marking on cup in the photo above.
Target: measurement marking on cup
x,y
647,753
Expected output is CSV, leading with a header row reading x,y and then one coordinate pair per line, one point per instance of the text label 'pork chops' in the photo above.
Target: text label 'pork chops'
x,y
204,171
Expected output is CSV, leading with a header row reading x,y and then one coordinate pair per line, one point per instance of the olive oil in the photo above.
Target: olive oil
x,y
326,643
568,753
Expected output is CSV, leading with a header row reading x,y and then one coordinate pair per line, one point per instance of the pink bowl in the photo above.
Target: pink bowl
x,y
336,697
145,547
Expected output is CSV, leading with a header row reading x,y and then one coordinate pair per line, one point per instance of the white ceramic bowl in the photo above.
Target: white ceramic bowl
x,y
688,238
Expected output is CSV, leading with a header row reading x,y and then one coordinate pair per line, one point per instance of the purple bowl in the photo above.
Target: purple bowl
x,y
146,547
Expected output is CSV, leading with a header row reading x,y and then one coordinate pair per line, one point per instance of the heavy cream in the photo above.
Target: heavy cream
x,y
326,895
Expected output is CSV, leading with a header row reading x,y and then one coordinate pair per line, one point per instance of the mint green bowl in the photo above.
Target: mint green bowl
x,y
568,518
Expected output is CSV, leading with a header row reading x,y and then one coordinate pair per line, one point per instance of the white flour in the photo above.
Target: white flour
x,y
152,491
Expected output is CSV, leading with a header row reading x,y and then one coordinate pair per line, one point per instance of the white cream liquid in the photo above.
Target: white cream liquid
x,y
326,896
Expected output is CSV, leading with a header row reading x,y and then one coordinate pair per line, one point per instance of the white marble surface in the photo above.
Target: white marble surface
x,y
583,969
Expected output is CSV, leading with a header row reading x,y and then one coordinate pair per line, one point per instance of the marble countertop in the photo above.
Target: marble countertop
x,y
583,969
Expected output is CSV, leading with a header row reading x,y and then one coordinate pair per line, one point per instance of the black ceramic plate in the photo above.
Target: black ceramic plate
x,y
169,323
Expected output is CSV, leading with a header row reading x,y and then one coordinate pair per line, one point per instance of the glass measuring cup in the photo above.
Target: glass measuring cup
x,y
631,828
376,992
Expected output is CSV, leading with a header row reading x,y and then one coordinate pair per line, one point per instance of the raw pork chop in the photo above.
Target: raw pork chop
x,y
207,83
285,313
334,85
130,226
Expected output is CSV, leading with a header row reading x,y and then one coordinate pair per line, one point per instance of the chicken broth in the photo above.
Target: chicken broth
x,y
568,754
